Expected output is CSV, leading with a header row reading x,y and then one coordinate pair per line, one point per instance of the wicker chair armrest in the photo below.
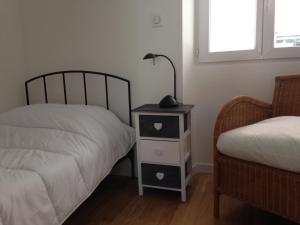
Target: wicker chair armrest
x,y
239,112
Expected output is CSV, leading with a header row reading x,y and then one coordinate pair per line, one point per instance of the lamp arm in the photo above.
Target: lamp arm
x,y
175,86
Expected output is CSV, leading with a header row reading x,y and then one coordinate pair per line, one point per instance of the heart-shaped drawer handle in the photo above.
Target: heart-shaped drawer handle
x,y
158,126
160,176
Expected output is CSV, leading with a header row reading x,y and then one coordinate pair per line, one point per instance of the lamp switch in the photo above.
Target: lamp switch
x,y
156,20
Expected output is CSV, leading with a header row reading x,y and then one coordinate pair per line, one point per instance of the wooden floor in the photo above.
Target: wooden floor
x,y
116,202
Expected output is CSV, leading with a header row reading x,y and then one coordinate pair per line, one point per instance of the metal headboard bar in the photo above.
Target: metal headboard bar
x,y
64,85
45,88
84,73
106,91
85,91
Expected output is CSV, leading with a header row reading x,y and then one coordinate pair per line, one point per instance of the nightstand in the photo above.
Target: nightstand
x,y
164,153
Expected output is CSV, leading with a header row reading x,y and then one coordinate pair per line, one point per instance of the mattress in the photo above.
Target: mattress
x,y
52,157
273,142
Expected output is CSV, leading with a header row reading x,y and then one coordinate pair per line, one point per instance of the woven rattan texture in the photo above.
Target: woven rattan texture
x,y
271,189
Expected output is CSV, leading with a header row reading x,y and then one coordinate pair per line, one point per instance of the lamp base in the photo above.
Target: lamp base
x,y
168,102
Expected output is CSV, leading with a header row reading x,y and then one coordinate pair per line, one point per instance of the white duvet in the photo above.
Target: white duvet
x,y
52,157
273,142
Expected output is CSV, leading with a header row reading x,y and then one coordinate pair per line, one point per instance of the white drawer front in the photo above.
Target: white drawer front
x,y
160,152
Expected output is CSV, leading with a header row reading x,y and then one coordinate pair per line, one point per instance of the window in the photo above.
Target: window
x,y
287,27
232,30
228,37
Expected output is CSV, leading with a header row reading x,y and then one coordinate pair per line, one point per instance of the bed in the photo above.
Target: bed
x,y
256,157
53,156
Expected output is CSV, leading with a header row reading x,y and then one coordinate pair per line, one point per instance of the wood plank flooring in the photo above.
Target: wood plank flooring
x,y
116,202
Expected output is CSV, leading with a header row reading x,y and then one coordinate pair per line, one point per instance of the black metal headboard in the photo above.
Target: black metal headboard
x,y
84,78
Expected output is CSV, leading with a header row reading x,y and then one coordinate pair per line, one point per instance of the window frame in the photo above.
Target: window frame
x,y
269,51
264,37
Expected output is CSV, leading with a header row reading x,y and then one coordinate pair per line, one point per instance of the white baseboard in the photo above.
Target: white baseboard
x,y
203,168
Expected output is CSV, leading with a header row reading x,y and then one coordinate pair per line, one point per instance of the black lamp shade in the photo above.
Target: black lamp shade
x,y
150,56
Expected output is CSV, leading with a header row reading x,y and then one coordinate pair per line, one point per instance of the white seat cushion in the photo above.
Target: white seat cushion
x,y
273,142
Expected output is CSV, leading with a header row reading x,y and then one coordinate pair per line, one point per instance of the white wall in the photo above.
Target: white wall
x,y
109,36
94,35
12,65
156,81
210,86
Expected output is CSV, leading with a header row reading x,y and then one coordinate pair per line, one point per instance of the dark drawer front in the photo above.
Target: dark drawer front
x,y
159,126
162,176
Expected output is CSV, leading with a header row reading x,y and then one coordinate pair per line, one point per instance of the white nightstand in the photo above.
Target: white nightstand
x,y
164,147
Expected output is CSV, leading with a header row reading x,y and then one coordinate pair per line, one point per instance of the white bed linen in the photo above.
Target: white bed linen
x,y
52,157
274,142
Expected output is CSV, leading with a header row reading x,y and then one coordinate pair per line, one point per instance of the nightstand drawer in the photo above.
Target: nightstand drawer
x,y
160,152
159,126
162,176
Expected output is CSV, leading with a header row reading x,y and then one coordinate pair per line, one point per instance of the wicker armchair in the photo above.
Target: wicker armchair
x,y
268,188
